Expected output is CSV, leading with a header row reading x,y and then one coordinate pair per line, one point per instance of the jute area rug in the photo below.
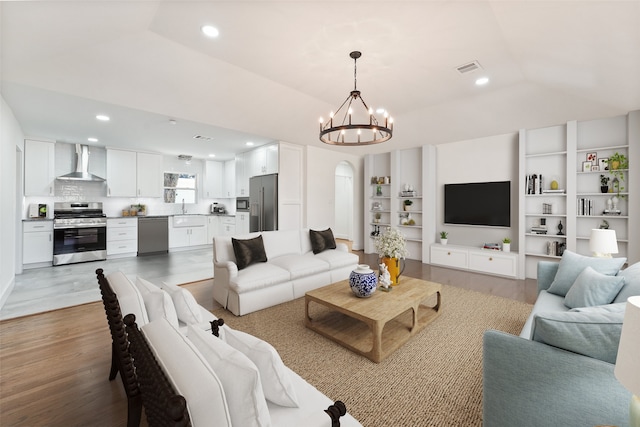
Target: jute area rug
x,y
435,379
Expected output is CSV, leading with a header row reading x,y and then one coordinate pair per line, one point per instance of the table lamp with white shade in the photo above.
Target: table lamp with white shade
x,y
627,368
603,242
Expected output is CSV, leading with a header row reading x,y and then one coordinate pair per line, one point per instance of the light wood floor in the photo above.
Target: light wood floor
x,y
54,366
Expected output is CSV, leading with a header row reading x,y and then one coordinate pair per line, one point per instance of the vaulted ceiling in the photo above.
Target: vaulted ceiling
x,y
277,66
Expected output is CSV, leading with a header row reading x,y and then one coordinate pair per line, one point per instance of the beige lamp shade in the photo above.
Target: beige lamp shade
x,y
603,242
627,368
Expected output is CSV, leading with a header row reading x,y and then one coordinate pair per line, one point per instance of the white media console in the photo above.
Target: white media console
x,y
480,260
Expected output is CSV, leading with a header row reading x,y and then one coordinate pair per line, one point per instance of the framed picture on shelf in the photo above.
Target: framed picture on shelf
x,y
595,168
586,166
592,157
603,162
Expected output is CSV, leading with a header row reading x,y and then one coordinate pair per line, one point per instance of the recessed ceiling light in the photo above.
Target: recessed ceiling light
x,y
250,143
102,118
210,31
212,155
482,81
92,139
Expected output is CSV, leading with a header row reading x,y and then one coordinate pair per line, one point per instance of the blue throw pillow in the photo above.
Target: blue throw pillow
x,y
590,331
631,282
592,288
572,264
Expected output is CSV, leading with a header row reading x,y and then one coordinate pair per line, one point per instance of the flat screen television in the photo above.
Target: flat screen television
x,y
478,203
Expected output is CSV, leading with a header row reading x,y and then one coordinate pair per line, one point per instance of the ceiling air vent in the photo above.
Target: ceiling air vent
x,y
469,67
202,138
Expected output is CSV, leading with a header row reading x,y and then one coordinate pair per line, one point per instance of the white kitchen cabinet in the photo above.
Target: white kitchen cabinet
x,y
264,160
39,172
242,223
122,237
132,174
213,179
192,235
213,228
121,173
149,175
37,243
242,177
229,186
228,226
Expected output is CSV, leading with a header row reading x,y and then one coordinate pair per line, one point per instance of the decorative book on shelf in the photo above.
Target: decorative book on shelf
x,y
492,246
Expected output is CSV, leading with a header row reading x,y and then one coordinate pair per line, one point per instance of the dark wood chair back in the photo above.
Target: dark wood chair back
x,y
121,361
162,405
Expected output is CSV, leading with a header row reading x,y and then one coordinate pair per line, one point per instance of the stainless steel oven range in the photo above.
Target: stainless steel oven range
x,y
79,232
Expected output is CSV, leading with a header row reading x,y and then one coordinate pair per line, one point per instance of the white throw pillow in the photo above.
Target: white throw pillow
x,y
186,305
239,376
158,303
129,297
277,386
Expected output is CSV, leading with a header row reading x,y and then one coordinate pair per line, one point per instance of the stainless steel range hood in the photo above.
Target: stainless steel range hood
x,y
82,167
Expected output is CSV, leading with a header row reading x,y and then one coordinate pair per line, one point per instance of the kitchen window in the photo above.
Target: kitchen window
x,y
180,187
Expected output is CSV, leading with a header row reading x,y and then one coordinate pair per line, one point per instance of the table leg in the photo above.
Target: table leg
x,y
306,310
376,350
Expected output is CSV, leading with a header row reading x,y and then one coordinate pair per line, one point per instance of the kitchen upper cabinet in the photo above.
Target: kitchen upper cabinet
x,y
213,179
39,168
131,174
264,160
242,179
229,188
121,173
149,174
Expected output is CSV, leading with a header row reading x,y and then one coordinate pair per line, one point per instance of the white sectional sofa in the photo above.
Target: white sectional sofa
x,y
290,270
222,379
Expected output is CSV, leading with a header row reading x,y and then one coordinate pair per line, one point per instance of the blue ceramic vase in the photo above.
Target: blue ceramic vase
x,y
363,281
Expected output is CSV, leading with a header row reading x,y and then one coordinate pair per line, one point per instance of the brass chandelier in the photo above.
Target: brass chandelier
x,y
358,125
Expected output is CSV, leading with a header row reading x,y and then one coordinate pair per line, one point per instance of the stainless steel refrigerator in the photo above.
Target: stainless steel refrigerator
x,y
263,203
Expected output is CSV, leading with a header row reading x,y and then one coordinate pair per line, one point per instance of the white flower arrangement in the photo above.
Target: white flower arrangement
x,y
391,243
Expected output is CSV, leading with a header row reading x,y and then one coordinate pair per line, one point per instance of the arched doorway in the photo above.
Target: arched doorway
x,y
344,201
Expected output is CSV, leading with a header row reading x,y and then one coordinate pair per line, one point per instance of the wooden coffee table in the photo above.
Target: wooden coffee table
x,y
377,326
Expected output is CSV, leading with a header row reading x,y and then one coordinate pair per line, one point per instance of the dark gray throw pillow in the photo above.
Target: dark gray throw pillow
x,y
322,240
248,251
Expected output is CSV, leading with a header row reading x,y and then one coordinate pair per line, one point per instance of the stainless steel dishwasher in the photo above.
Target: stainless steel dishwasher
x,y
153,235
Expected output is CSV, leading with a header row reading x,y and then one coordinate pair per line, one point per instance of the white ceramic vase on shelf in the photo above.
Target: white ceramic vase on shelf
x,y
506,247
443,241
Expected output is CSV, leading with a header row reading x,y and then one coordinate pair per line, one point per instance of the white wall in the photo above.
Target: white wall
x,y
320,190
493,158
11,149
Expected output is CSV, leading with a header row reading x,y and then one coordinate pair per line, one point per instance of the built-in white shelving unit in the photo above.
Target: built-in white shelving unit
x,y
558,153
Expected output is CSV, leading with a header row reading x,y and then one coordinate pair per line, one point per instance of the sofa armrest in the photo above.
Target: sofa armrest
x,y
546,273
342,247
223,272
527,383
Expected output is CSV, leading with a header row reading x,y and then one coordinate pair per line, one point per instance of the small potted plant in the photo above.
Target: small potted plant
x,y
604,183
617,165
377,217
444,237
407,204
506,244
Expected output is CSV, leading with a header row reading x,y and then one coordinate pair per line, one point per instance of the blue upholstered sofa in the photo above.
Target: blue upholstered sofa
x,y
559,371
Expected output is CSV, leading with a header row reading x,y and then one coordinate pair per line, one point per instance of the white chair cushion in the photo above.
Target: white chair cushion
x,y
239,377
158,303
301,266
257,276
276,383
189,373
129,297
336,258
186,305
